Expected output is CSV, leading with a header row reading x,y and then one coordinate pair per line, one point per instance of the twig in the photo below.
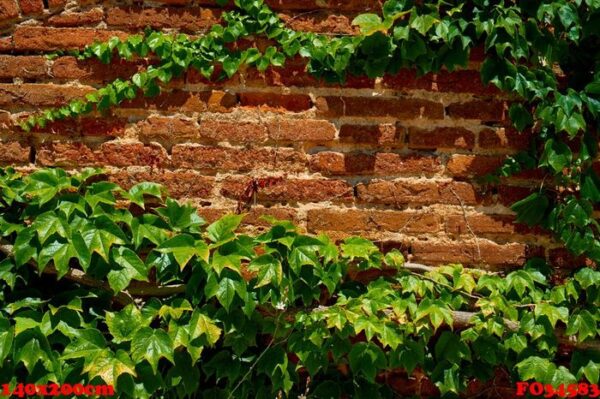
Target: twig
x,y
462,206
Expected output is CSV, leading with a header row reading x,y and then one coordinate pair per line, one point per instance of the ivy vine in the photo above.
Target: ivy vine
x,y
150,299
545,52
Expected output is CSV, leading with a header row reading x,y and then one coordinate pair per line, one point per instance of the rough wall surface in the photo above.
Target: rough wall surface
x,y
397,159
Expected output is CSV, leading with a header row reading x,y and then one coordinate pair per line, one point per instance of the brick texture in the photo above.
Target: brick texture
x,y
399,160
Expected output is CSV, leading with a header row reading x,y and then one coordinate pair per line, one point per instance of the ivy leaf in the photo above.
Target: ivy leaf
x,y
200,325
394,259
123,324
268,269
136,193
109,366
369,23
48,224
367,359
423,23
151,345
131,268
180,217
590,186
224,290
88,344
100,236
437,312
223,229
583,324
183,248
556,155
535,368
520,116
532,209
553,313
7,334
357,247
60,253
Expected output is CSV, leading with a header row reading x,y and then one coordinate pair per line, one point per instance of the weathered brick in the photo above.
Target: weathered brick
x,y
6,44
292,190
173,129
307,5
486,224
127,153
67,19
407,79
442,137
179,184
277,102
110,127
66,155
26,67
483,252
236,159
69,68
418,192
191,20
334,163
14,153
31,6
356,221
175,101
563,259
39,95
397,107
320,22
473,165
504,138
233,131
8,10
486,111
508,195
56,3
301,130
463,81
385,134
37,38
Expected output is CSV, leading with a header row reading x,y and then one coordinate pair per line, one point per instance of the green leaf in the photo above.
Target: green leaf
x,y
394,259
183,248
268,269
223,229
48,224
367,359
202,325
7,335
131,268
369,23
583,324
535,368
123,324
520,116
532,209
88,344
180,217
109,366
557,155
100,236
151,345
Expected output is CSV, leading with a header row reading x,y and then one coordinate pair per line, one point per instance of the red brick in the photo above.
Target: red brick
x,y
175,101
168,129
334,163
8,10
294,74
110,127
508,195
180,184
386,134
473,165
417,192
407,79
69,68
484,252
38,38
504,138
239,160
292,190
39,95
301,130
14,153
320,22
56,3
191,20
563,259
31,6
401,108
486,224
486,111
26,67
277,102
126,153
233,132
90,17
464,81
441,137
6,44
66,155
357,221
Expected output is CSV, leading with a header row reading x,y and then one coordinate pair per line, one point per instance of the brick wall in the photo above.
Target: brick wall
x,y
395,159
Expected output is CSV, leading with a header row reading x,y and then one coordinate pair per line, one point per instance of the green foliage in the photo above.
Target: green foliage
x,y
158,304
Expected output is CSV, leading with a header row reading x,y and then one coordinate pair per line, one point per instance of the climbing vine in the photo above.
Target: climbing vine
x,y
131,288
544,52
